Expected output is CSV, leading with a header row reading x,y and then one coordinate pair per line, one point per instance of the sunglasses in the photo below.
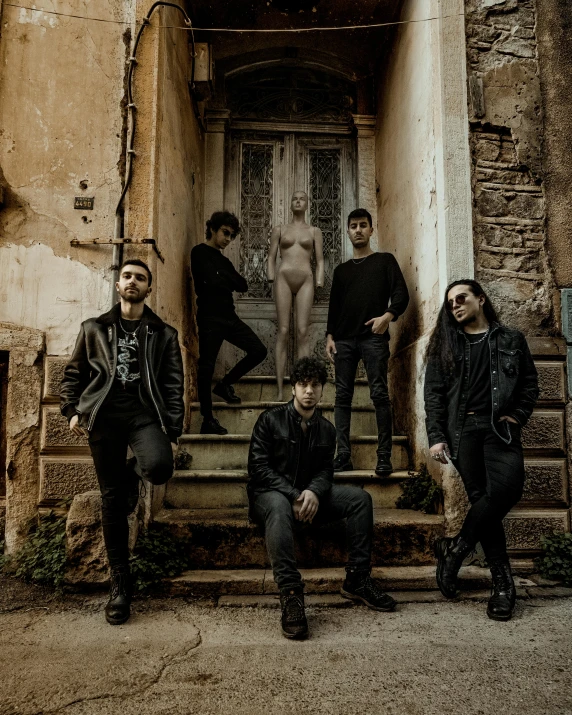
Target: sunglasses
x,y
228,234
457,300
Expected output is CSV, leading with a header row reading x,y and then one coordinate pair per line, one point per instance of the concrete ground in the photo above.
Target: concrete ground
x,y
175,656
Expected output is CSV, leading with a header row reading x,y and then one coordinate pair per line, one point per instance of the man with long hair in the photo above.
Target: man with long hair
x,y
480,389
215,280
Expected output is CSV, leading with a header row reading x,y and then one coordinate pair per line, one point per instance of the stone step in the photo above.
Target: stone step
x,y
224,538
231,451
240,419
222,582
262,388
226,489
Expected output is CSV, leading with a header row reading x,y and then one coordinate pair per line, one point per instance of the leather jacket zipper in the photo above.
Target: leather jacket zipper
x,y
149,381
106,392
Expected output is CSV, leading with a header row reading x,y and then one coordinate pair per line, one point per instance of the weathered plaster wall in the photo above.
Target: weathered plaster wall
x,y
507,132
407,206
554,49
61,88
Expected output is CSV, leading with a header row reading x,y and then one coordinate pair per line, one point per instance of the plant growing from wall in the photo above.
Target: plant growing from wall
x,y
556,559
42,558
157,555
421,492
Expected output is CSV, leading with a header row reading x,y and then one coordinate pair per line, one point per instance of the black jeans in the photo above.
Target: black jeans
x,y
493,474
212,333
273,511
374,351
112,433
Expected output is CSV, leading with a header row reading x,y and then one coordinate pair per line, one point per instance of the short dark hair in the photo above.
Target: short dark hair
x,y
360,213
141,264
307,369
222,218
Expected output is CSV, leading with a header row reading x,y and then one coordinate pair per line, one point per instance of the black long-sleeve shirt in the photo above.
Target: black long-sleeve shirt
x,y
215,280
365,289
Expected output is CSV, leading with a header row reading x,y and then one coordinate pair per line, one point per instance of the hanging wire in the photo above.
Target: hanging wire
x,y
241,30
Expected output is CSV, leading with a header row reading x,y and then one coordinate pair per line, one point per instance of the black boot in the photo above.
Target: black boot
x,y
294,623
227,393
343,462
502,600
383,467
211,425
359,586
450,555
117,610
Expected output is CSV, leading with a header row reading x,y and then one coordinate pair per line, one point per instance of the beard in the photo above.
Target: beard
x,y
467,320
137,297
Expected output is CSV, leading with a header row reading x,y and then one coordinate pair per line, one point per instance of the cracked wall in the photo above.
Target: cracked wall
x,y
506,138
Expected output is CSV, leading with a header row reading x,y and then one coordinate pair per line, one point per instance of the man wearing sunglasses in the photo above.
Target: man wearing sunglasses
x,y
215,279
481,386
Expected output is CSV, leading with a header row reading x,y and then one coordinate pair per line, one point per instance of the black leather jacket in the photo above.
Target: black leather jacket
x,y
514,385
274,457
89,375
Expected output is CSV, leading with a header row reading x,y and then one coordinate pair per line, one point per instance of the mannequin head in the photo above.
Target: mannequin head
x,y
299,202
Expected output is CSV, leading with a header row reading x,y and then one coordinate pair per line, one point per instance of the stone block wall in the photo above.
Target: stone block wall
x,y
506,138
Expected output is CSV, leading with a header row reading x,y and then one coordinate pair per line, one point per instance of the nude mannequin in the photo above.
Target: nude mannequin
x,y
296,241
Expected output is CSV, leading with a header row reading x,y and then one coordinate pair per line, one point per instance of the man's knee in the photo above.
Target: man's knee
x,y
259,352
158,472
274,508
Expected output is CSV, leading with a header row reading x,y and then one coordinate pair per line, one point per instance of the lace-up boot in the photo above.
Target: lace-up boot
x,y
360,586
117,610
343,462
211,425
502,600
294,623
450,555
227,393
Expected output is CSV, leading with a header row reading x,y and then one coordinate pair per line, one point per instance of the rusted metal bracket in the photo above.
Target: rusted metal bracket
x,y
118,241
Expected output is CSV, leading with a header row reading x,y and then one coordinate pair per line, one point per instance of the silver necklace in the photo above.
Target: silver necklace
x,y
476,342
357,261
132,334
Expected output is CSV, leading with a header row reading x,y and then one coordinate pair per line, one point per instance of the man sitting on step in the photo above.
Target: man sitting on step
x,y
290,468
368,293
123,386
215,279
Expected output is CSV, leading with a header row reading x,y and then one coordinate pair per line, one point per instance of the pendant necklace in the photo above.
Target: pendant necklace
x,y
127,332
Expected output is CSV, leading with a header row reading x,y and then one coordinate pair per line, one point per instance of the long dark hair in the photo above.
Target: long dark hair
x,y
442,340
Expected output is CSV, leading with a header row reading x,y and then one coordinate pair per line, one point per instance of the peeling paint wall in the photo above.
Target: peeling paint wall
x,y
407,205
61,88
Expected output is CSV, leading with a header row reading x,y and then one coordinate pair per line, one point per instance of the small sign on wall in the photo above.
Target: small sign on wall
x,y
85,203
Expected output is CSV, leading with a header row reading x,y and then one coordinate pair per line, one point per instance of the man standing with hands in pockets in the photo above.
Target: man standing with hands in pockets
x,y
368,293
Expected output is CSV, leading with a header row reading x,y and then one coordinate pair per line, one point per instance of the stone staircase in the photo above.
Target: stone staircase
x,y
208,503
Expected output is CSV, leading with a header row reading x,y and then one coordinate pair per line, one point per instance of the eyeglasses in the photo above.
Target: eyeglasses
x,y
228,234
457,300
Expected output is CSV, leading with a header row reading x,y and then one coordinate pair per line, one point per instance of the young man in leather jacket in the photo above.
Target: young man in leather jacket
x,y
481,386
123,387
290,467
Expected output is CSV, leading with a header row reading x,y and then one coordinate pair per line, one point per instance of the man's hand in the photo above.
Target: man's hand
x,y
381,324
440,452
75,428
306,506
330,348
508,418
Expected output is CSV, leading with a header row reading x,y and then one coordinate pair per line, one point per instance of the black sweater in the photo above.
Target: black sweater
x,y
363,290
215,279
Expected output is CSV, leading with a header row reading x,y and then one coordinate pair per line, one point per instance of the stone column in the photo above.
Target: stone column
x,y
217,123
366,195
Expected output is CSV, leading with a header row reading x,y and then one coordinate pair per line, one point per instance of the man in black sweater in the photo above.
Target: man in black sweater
x,y
215,280
368,293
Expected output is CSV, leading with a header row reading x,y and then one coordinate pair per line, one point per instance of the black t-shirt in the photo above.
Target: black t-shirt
x,y
124,394
363,289
479,399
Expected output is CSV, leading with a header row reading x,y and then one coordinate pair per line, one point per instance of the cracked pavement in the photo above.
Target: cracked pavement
x,y
174,656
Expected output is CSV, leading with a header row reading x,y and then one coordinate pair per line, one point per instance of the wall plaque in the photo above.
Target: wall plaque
x,y
85,203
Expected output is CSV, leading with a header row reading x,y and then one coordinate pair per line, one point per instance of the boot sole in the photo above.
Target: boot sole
x,y
296,636
117,621
498,618
354,597
438,547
